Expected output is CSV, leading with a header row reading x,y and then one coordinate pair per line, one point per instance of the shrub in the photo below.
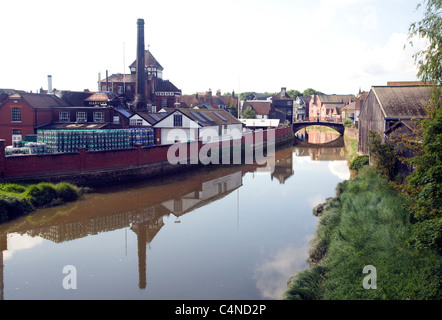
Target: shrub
x,y
348,123
359,162
41,194
13,188
67,192
12,205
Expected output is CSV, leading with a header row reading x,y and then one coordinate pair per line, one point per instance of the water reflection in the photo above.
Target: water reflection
x,y
140,207
141,210
317,135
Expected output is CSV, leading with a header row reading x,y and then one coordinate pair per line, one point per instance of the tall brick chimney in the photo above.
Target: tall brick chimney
x,y
140,97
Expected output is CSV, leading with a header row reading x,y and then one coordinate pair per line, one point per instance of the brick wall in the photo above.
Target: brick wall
x,y
149,160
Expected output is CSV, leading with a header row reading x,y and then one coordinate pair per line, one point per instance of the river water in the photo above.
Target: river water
x,y
216,233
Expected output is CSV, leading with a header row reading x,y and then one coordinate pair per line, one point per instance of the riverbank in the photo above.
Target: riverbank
x,y
367,225
20,199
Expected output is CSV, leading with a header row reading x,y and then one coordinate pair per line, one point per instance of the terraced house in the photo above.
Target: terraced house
x,y
327,107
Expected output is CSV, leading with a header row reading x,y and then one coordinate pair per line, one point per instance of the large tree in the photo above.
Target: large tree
x,y
429,59
426,181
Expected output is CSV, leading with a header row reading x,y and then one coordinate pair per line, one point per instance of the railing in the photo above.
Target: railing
x,y
319,119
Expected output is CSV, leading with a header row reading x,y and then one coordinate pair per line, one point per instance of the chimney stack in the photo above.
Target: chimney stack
x,y
49,84
140,98
107,81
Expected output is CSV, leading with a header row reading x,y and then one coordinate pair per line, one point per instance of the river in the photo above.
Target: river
x,y
234,233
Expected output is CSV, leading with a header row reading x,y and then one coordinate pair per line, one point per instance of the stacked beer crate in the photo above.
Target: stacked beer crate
x,y
93,140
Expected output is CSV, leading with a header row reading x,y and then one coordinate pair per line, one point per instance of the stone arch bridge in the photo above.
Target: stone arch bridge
x,y
339,127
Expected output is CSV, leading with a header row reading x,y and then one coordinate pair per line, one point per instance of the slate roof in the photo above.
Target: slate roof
x,y
280,96
212,114
166,86
120,77
152,118
336,98
402,102
213,117
73,98
149,61
41,101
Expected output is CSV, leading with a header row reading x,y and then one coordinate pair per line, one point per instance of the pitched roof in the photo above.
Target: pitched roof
x,y
149,61
283,95
260,107
206,117
152,118
336,98
212,117
121,77
351,106
166,86
306,99
40,101
403,102
73,98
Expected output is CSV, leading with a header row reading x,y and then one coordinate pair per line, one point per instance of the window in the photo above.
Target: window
x,y
98,117
16,114
164,102
120,89
116,120
64,116
136,122
81,116
177,120
16,135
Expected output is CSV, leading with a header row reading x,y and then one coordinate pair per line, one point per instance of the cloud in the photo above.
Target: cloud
x,y
17,242
339,169
273,274
313,201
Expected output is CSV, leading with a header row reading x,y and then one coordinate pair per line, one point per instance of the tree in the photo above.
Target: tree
x,y
429,60
294,93
384,155
425,183
309,92
233,111
248,114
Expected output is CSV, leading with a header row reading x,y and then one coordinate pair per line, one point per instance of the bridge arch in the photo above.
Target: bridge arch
x,y
339,127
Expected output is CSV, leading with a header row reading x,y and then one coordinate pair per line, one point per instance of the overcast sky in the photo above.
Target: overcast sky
x,y
334,46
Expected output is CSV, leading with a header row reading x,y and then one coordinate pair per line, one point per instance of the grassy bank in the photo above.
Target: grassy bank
x,y
17,199
367,223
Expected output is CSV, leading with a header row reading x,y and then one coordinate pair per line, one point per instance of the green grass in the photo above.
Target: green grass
x,y
17,199
366,224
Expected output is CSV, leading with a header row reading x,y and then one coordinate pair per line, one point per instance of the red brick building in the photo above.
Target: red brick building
x,y
22,114
159,93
